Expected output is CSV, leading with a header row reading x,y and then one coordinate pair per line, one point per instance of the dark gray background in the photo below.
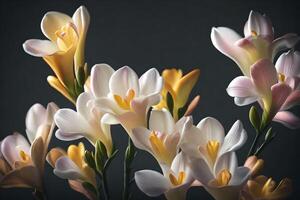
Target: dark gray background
x,y
141,34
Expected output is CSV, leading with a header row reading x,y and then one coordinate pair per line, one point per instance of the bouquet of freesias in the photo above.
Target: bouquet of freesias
x,y
155,110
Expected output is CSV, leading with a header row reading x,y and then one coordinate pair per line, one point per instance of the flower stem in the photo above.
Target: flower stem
x,y
39,195
129,156
250,153
105,185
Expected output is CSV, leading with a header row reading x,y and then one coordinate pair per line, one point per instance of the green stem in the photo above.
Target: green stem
x,y
262,147
39,195
250,153
129,156
105,185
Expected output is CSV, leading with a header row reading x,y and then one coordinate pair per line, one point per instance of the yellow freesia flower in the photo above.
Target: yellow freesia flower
x,y
64,51
179,87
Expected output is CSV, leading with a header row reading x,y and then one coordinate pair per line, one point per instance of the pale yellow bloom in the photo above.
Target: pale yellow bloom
x,y
179,87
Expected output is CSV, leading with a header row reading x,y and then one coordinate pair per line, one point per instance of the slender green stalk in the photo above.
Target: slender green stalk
x,y
105,185
255,141
129,156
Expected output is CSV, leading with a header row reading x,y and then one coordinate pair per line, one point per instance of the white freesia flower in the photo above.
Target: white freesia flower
x,y
212,158
22,163
174,183
257,44
123,96
85,122
276,88
162,137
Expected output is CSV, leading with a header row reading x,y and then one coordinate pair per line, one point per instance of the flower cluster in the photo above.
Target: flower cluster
x,y
155,110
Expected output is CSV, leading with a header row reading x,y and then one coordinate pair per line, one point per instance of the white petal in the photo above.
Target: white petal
x,y
241,86
226,161
240,101
151,182
39,48
65,168
240,176
53,21
288,64
140,138
11,147
82,105
123,80
81,19
235,138
110,119
258,23
285,42
100,75
34,118
65,136
201,171
212,129
162,121
150,82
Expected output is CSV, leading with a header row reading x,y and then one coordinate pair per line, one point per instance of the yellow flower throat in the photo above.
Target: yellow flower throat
x,y
125,102
177,180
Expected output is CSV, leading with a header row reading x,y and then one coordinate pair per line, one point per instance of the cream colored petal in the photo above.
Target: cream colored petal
x,y
55,154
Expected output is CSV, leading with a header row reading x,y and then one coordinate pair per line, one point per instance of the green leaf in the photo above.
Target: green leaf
x,y
89,159
270,135
170,103
109,160
80,76
181,111
90,187
99,159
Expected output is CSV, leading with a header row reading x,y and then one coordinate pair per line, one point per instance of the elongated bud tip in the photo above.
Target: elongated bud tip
x,y
254,118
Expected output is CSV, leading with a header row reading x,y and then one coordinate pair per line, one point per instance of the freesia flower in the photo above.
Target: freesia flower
x,y
64,51
212,158
179,87
174,183
276,88
85,122
71,165
257,44
22,162
254,164
162,138
123,96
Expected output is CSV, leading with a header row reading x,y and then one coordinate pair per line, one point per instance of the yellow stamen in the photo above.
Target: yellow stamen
x,y
212,148
223,178
281,77
159,148
179,180
254,33
24,157
268,186
125,102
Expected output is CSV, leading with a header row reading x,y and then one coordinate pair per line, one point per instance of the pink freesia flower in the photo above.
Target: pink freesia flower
x,y
276,88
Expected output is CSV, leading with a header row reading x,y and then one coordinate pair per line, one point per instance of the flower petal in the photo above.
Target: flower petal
x,y
77,186
212,129
123,80
292,100
100,75
53,21
151,182
55,154
261,24
288,64
39,48
65,168
201,171
288,119
150,82
280,93
241,86
235,138
161,121
81,19
140,138
243,101
226,161
11,147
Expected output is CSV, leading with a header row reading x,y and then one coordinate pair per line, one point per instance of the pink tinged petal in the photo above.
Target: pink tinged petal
x,y
100,75
150,82
235,138
82,105
243,101
212,129
201,171
39,48
288,119
285,42
140,138
77,186
65,168
151,182
53,21
11,147
258,23
288,64
280,93
264,75
81,19
292,100
241,86
123,80
67,136
27,177
161,121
